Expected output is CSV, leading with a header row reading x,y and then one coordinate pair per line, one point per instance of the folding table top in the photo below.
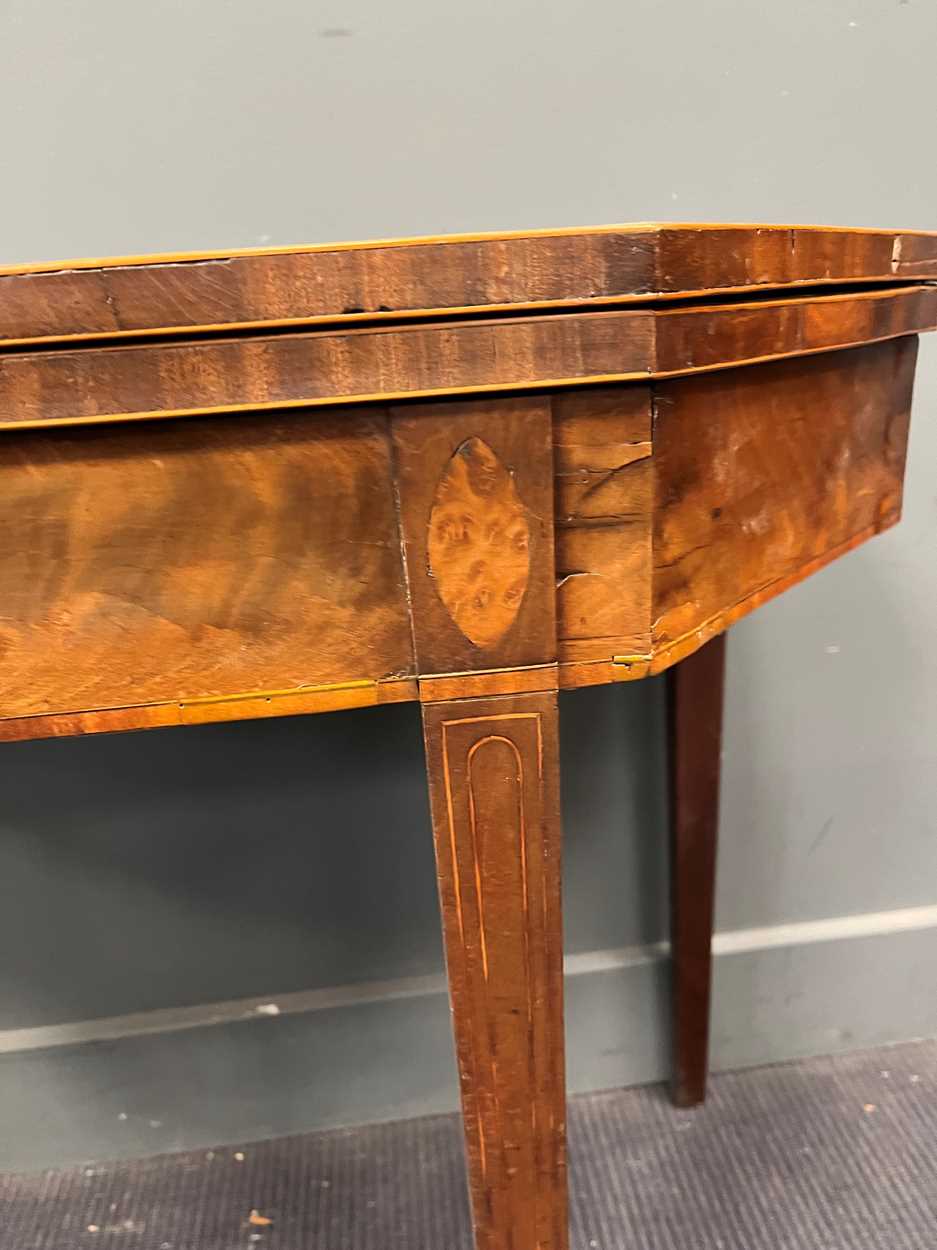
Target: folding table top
x,y
219,502
431,277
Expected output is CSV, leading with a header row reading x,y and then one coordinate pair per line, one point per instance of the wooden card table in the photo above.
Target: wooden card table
x,y
470,472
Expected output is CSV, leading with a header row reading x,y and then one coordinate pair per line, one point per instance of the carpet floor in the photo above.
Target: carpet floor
x,y
823,1154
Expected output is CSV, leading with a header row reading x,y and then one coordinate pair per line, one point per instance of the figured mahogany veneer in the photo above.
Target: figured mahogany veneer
x,y
132,381
422,277
471,472
190,570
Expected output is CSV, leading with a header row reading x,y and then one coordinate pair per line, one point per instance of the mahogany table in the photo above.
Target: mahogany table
x,y
468,471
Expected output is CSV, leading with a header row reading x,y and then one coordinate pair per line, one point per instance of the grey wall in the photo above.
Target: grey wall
x,y
148,875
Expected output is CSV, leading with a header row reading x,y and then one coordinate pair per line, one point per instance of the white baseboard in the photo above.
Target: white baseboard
x,y
237,1072
174,1019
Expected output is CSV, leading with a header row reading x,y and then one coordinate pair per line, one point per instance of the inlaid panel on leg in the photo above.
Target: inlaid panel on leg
x,y
493,775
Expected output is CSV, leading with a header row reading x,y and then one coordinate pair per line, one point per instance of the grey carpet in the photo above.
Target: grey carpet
x,y
826,1154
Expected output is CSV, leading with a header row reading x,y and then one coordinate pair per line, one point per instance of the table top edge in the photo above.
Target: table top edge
x,y
490,236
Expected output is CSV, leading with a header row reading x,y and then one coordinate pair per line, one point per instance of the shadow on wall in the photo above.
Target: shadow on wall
x,y
189,865
192,865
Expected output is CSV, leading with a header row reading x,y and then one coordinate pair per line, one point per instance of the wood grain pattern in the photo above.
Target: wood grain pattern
x,y
536,677
323,284
694,713
704,338
160,565
573,674
230,375
672,652
493,773
424,276
317,367
490,535
915,255
602,449
761,472
744,256
156,565
173,562
478,543
257,705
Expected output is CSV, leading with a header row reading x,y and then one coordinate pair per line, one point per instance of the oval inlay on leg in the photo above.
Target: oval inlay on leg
x,y
479,543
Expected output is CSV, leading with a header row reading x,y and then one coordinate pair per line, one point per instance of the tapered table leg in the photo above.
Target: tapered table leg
x,y
694,704
494,787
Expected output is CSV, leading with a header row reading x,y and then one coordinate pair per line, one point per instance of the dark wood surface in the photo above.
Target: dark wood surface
x,y
232,375
763,473
408,277
694,714
494,785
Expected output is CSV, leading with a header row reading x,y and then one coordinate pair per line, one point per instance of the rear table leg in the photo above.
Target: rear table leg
x,y
694,708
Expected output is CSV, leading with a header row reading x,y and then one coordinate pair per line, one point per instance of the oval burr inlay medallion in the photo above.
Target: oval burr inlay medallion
x,y
479,543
